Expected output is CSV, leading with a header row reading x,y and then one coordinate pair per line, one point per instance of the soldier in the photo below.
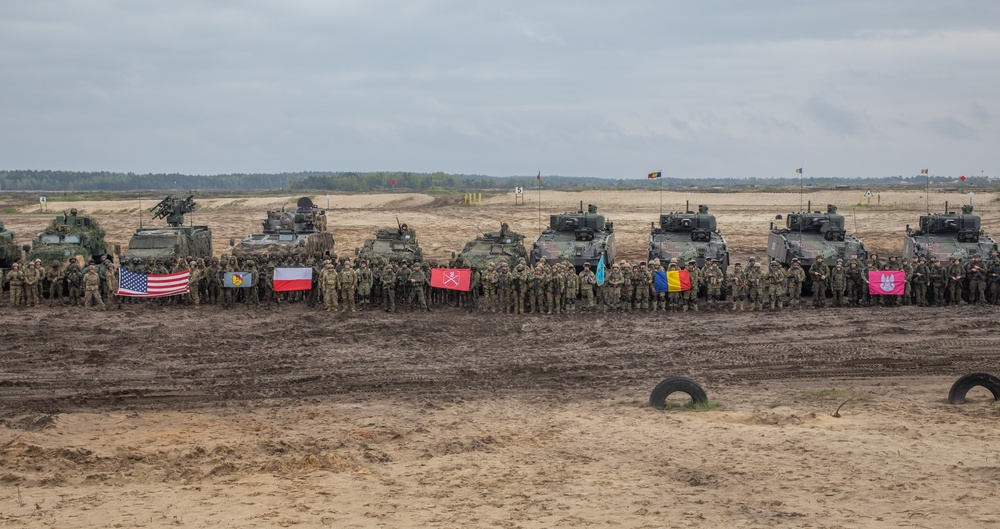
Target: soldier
x,y
796,277
659,301
615,281
587,282
713,278
74,279
643,287
956,278
417,281
821,277
690,297
194,279
838,283
349,286
31,280
856,280
475,286
737,287
330,283
920,281
522,278
908,268
775,284
993,277
365,280
252,293
113,279
57,280
557,284
536,290
938,281
490,279
977,283
388,281
92,287
16,279
572,288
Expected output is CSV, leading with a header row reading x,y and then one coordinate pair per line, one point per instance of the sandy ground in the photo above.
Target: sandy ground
x,y
168,416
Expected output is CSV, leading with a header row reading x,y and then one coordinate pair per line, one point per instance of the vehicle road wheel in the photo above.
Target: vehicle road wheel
x,y
658,398
967,382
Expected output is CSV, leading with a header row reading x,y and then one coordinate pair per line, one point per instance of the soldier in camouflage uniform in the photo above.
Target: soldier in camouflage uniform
x,y
615,282
737,287
388,280
775,283
690,297
938,281
838,283
659,301
956,279
329,281
993,280
92,286
490,279
348,287
16,279
796,276
713,278
977,283
821,277
32,278
521,277
754,281
572,288
643,287
57,280
536,290
365,280
114,279
588,280
418,280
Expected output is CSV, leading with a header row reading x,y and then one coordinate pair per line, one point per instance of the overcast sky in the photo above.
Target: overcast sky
x,y
576,88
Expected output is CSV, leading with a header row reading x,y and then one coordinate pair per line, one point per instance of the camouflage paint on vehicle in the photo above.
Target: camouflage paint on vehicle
x,y
174,241
688,236
948,236
502,246
67,235
578,238
300,232
392,245
809,235
10,253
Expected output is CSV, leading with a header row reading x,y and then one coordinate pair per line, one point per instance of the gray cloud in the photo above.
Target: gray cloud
x,y
586,88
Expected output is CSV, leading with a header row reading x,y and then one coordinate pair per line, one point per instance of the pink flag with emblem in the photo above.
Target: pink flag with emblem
x,y
886,282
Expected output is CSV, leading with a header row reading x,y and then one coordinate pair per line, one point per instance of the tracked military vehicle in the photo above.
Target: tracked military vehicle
x,y
10,253
392,245
499,246
688,236
948,236
175,240
302,231
578,238
809,235
67,235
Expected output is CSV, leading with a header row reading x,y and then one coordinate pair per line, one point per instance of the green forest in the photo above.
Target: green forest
x,y
361,182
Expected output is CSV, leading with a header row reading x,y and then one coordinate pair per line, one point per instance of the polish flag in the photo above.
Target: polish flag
x,y
451,278
286,279
886,282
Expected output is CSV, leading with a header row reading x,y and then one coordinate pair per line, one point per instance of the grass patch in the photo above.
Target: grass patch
x,y
705,405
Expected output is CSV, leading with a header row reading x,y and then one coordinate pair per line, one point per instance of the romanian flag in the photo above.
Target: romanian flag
x,y
288,279
655,175
672,281
798,171
923,171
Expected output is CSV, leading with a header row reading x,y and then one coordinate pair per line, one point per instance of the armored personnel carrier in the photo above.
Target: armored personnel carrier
x,y
949,235
392,245
67,235
302,231
9,252
812,234
579,238
688,236
176,240
503,245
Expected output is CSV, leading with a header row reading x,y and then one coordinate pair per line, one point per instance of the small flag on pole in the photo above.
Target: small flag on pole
x,y
798,171
923,171
655,175
539,176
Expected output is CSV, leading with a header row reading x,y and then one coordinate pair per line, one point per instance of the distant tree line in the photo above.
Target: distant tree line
x,y
360,182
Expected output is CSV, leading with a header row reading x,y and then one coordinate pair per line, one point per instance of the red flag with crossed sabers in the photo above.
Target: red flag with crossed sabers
x,y
451,278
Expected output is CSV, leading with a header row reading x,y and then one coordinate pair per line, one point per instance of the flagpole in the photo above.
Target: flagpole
x,y
927,190
661,194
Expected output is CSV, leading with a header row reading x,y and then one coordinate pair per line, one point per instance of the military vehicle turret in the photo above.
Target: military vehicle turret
x,y
496,246
175,240
392,245
67,235
812,234
949,235
688,236
578,237
302,231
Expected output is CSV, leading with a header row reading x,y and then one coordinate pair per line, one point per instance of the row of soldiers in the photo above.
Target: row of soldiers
x,y
552,289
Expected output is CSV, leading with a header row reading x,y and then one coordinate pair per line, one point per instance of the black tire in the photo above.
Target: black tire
x,y
967,382
658,398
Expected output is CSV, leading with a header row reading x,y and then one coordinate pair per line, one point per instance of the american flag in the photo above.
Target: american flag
x,y
153,285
